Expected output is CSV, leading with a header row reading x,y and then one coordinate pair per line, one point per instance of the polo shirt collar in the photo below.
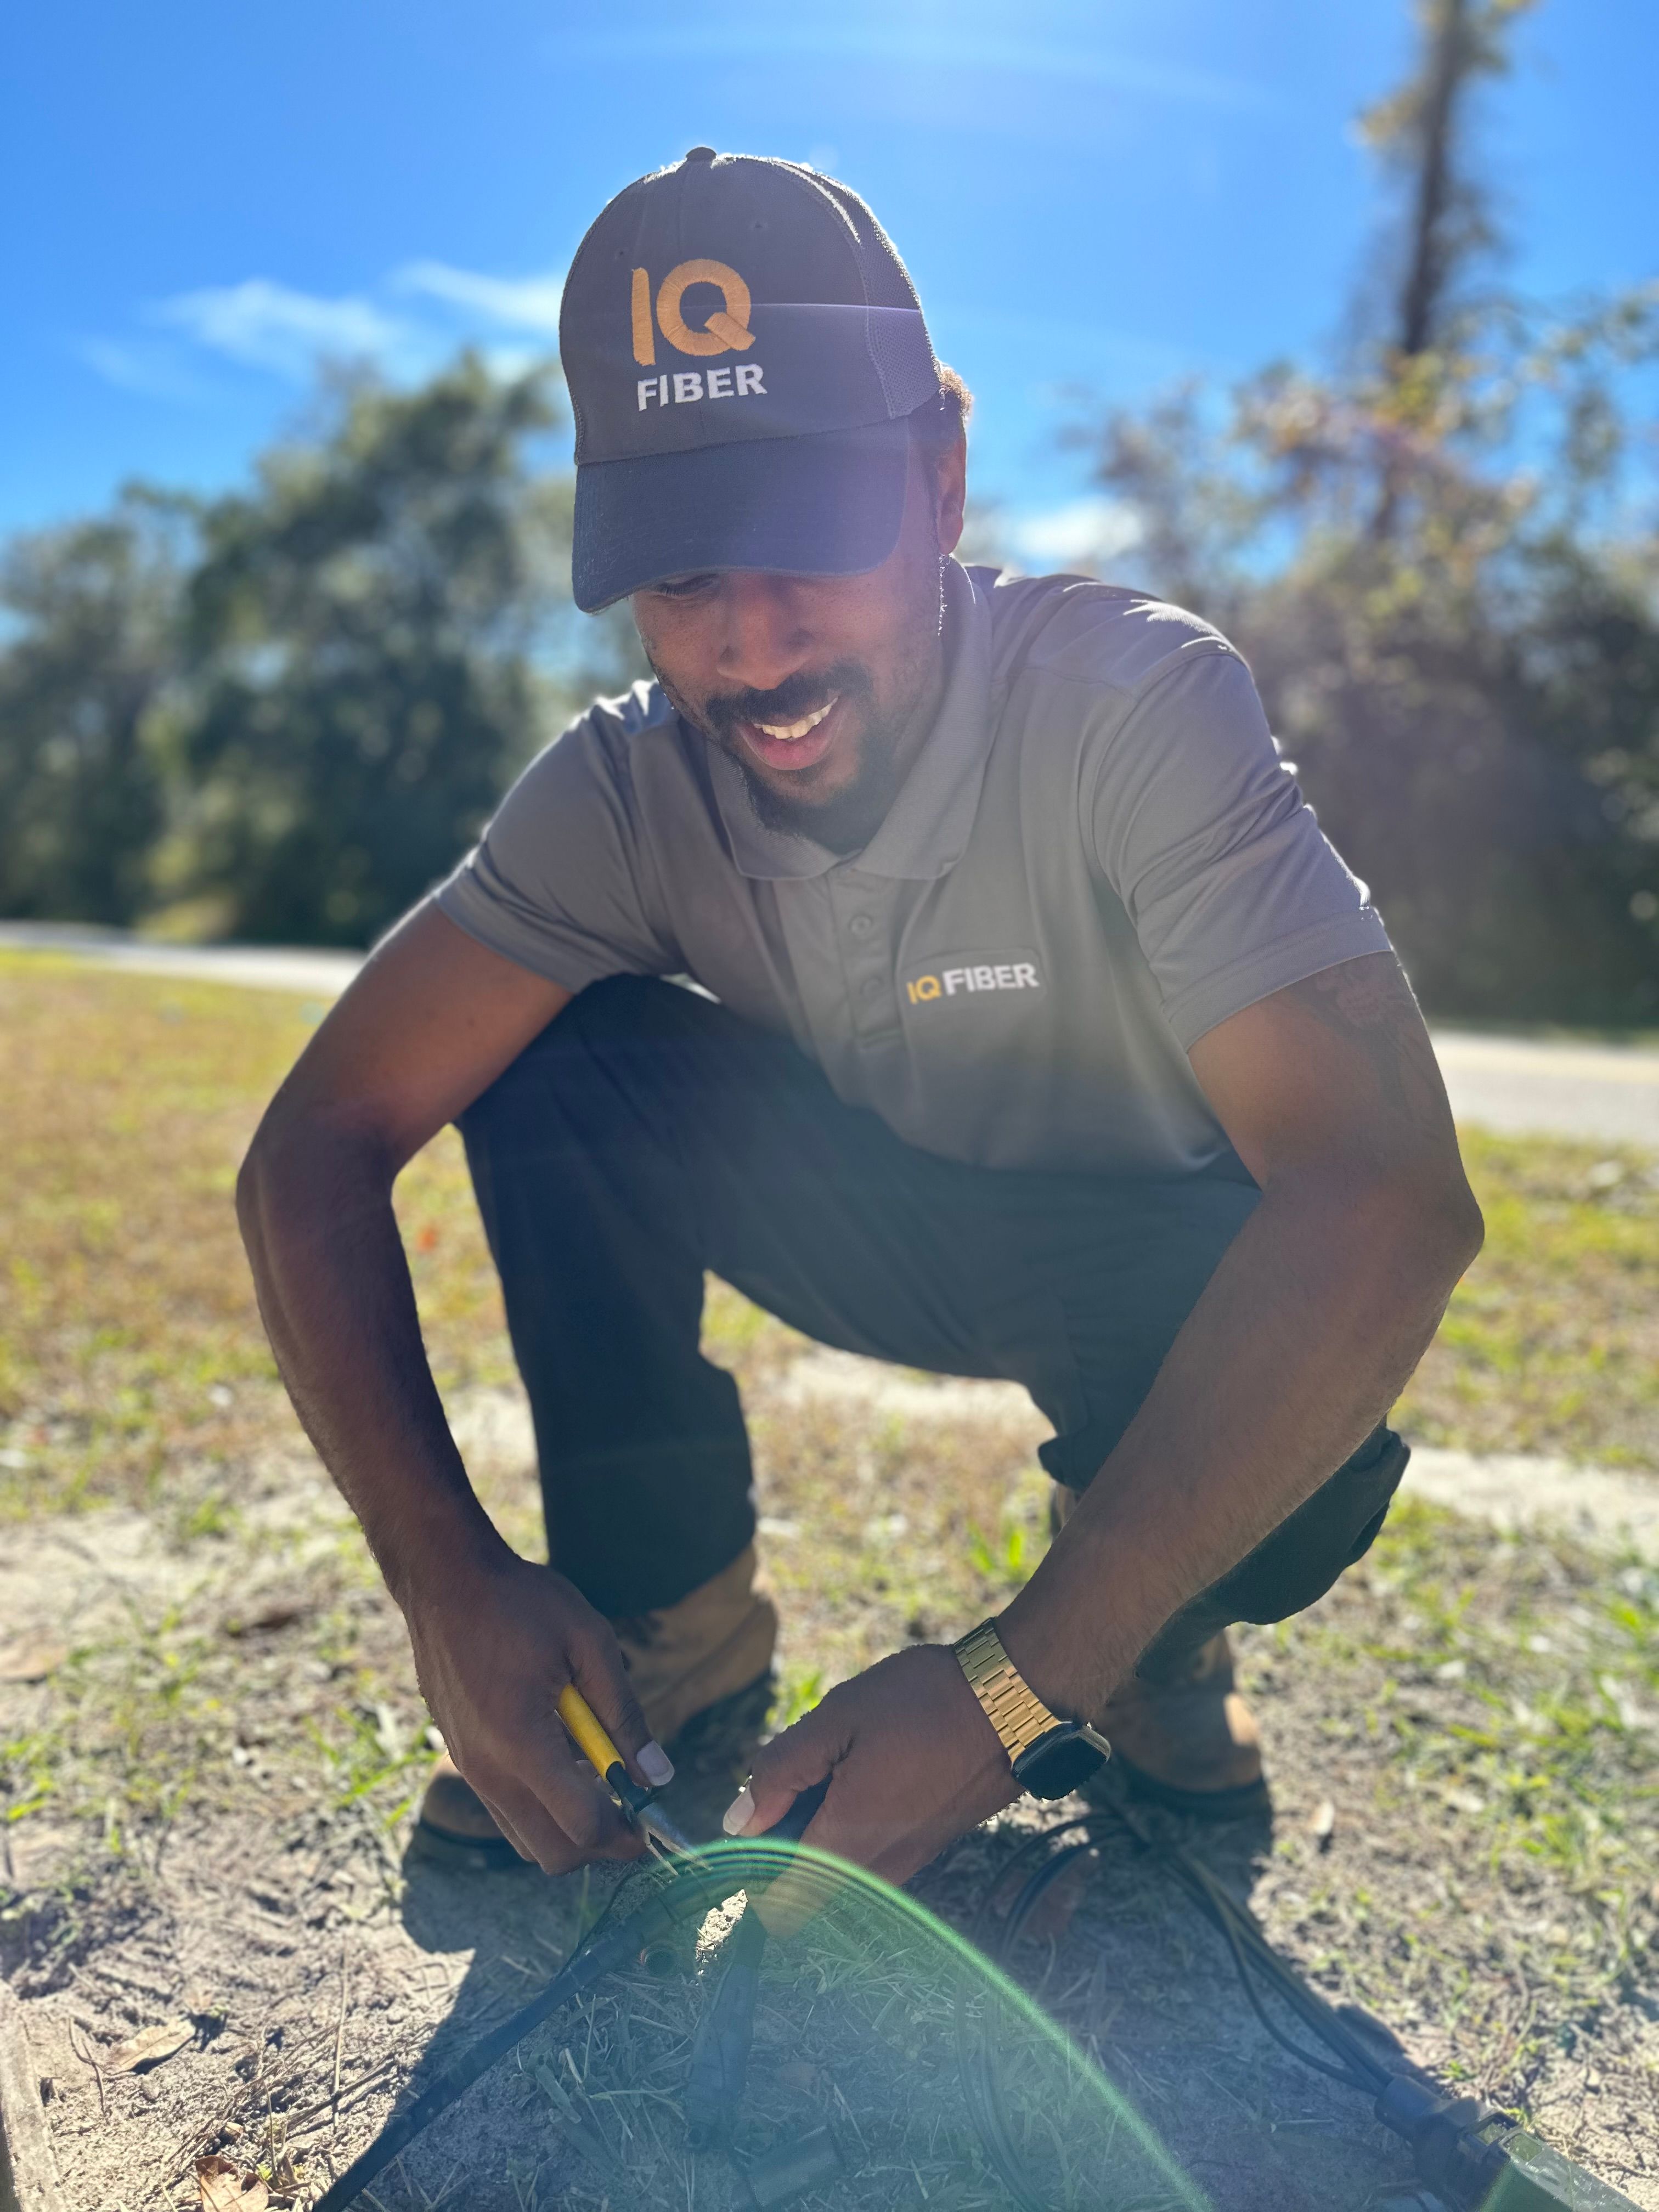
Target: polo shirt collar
x,y
925,832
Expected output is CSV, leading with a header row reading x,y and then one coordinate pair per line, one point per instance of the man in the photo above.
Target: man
x,y
1039,1034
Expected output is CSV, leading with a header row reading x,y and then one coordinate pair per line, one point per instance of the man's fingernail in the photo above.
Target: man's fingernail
x,y
739,1813
656,1765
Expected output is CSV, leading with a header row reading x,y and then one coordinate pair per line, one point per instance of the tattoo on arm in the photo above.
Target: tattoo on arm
x,y
1370,1004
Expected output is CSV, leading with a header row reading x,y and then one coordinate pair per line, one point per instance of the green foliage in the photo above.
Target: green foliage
x,y
92,611
1435,560
1010,1560
285,714
358,634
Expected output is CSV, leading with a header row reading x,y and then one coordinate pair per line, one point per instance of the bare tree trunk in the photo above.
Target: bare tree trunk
x,y
1450,63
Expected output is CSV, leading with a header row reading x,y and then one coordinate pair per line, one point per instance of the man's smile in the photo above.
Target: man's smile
x,y
790,731
800,743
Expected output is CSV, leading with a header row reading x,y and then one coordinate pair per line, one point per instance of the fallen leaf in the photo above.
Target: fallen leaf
x,y
801,2075
31,1662
276,1613
228,2188
150,2047
1323,1823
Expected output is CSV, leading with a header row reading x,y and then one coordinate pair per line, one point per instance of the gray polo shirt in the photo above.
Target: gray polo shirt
x,y
1097,855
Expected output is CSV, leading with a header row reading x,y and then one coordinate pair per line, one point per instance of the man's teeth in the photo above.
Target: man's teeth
x,y
788,731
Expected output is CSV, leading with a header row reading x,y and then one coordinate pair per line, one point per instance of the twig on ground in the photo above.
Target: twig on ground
x,y
87,2057
339,2031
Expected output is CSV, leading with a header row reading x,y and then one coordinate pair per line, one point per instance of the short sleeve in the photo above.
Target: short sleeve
x,y
1201,830
559,882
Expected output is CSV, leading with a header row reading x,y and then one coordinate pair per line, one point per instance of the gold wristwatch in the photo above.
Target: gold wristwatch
x,y
1050,1757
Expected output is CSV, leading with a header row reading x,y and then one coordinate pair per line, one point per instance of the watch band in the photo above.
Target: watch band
x,y
1010,1704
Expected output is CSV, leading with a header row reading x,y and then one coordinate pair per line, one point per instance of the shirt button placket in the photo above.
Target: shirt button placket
x,y
867,961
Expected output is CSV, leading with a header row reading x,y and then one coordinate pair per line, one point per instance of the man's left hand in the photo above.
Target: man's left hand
x,y
913,1763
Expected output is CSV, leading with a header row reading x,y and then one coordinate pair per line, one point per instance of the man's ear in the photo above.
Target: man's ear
x,y
951,495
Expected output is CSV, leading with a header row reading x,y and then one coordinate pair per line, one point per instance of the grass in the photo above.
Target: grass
x,y
133,1373
1481,1711
1498,1706
1551,1341
131,1351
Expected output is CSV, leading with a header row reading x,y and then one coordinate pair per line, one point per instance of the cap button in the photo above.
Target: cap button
x,y
700,153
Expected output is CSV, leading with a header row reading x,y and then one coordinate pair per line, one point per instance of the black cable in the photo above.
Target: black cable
x,y
688,1885
1251,1950
692,1890
1252,1955
611,1943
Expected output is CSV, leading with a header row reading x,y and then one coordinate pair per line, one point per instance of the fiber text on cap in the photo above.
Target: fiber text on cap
x,y
739,383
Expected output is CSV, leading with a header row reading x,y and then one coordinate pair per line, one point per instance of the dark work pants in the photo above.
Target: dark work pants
x,y
649,1134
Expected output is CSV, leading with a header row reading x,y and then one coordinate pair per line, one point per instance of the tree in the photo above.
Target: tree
x,y
1420,132
94,610
362,642
1433,560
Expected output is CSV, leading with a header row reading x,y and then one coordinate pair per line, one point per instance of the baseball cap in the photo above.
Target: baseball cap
x,y
742,345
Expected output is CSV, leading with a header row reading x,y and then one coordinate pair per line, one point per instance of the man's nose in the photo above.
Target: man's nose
x,y
766,635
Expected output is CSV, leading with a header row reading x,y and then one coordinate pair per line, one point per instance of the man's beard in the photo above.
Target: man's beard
x,y
844,821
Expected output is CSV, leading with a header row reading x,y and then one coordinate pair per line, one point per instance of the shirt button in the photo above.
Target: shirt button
x,y
860,925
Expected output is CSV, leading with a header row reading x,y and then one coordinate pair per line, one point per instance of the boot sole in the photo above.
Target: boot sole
x,y
465,1854
1239,1802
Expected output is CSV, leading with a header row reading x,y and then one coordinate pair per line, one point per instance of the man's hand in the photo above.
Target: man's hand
x,y
912,1760
493,1651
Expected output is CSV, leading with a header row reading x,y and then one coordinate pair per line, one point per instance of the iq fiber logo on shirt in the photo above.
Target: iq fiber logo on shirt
x,y
965,977
727,331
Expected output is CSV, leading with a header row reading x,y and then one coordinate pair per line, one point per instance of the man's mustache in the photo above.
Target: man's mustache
x,y
803,693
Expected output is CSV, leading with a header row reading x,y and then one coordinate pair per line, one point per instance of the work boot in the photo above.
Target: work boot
x,y
456,1826
1182,1736
700,1670
715,1643
1188,1741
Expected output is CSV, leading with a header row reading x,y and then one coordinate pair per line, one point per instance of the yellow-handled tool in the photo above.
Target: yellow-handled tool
x,y
633,1801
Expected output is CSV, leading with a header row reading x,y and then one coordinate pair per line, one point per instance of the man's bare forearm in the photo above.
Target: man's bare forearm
x,y
1318,1313
335,1293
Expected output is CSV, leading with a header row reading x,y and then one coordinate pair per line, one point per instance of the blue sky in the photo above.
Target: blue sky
x,y
1103,194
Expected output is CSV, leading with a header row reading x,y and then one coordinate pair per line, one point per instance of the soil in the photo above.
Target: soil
x,y
326,1975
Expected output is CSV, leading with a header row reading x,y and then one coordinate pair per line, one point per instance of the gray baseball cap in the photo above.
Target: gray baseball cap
x,y
742,345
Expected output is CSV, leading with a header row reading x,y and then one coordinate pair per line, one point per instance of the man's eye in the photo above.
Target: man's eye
x,y
684,587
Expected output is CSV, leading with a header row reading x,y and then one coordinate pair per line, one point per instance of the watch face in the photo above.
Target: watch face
x,y
1058,1763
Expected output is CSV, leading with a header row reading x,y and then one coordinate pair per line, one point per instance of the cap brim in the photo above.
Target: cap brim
x,y
828,505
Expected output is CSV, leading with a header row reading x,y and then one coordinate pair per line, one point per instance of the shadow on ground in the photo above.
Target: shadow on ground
x,y
1186,2100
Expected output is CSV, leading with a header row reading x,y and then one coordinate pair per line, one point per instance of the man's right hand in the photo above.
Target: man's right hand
x,y
493,1649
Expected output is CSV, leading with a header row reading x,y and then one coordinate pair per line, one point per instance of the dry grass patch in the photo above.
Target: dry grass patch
x,y
1552,1342
131,1357
203,1798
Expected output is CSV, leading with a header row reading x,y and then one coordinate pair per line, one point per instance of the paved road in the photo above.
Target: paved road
x,y
1610,1092
268,967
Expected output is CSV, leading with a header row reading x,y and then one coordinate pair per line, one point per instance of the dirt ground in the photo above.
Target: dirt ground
x,y
210,1737
321,1976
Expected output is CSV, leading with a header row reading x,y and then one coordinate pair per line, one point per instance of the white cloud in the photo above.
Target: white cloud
x,y
524,303
270,326
1083,533
152,371
262,324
